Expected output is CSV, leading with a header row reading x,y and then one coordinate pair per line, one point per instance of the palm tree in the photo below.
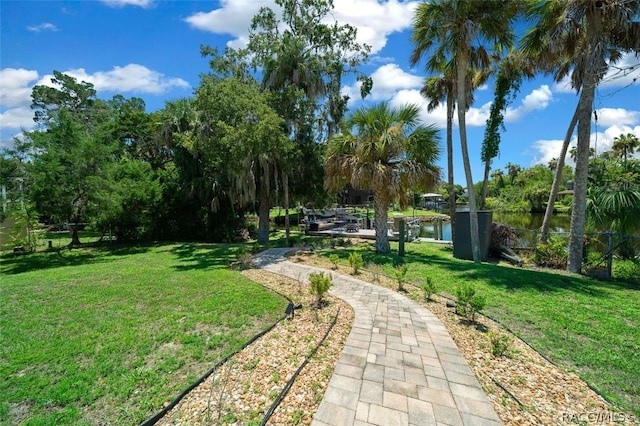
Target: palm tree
x,y
624,145
387,151
457,31
589,36
557,177
436,89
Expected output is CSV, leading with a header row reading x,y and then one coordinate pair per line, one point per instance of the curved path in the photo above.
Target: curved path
x,y
399,365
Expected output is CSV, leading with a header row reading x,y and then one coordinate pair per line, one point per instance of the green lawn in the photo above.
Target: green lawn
x,y
588,326
106,336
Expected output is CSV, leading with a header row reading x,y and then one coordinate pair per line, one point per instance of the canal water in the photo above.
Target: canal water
x,y
531,221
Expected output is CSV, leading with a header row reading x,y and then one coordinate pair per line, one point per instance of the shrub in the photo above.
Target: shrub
x,y
500,343
243,261
469,303
334,260
627,270
429,288
376,271
356,262
401,273
553,254
320,284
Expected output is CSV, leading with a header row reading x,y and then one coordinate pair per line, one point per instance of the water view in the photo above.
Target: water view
x,y
531,221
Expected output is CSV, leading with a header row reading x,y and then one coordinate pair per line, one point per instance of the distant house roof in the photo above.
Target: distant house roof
x,y
431,195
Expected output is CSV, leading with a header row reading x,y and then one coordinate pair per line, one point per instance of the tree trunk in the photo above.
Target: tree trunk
x,y
579,208
382,237
263,218
450,182
73,230
485,183
287,227
546,222
473,210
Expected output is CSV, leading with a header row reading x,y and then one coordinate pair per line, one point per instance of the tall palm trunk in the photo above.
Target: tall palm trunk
x,y
450,182
546,222
380,208
579,209
473,210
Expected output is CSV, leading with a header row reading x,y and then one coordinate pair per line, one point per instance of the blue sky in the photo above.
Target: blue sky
x,y
151,49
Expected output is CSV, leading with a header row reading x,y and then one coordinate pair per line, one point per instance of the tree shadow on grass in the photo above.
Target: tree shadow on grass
x,y
16,263
508,278
206,256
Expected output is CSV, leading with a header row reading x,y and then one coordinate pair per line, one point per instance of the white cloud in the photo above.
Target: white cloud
x,y
564,86
548,150
8,141
437,117
387,80
625,72
17,118
374,19
233,18
123,3
15,88
45,26
538,99
617,116
599,141
130,78
390,78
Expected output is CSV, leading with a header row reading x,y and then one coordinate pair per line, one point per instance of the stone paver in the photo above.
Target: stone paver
x,y
399,365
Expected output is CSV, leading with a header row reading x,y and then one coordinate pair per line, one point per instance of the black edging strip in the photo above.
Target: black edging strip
x,y
589,385
153,420
287,386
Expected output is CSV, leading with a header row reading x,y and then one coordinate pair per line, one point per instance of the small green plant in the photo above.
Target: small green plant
x,y
401,274
375,270
469,303
251,364
320,284
297,417
356,262
429,288
334,260
243,261
500,343
313,244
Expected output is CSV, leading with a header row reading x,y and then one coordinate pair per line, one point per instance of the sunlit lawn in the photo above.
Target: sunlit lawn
x,y
106,336
585,325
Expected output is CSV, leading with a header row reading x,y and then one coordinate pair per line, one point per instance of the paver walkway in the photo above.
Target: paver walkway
x,y
399,365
